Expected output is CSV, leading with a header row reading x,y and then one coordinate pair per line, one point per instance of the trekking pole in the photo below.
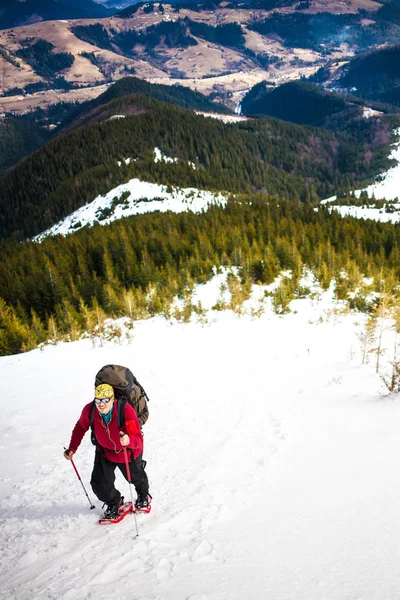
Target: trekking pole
x,y
79,477
128,472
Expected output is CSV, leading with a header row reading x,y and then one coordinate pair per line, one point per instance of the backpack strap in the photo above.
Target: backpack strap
x,y
121,412
142,390
91,417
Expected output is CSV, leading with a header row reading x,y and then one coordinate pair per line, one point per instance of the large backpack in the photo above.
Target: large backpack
x,y
127,389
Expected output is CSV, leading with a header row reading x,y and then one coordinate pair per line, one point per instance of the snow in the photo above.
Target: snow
x,y
160,157
370,212
142,197
272,457
370,112
223,118
387,187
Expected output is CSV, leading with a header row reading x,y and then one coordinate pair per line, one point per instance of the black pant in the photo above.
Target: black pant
x,y
103,477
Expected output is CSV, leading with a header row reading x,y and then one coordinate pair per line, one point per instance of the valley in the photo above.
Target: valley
x,y
187,50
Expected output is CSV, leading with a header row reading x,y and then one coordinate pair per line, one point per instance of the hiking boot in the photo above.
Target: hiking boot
x,y
143,502
111,511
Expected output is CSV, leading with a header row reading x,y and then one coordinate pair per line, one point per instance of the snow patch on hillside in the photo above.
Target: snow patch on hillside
x,y
160,157
223,118
132,198
371,212
386,187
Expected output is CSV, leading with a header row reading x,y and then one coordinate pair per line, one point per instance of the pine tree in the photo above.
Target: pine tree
x,y
53,334
367,337
393,382
382,313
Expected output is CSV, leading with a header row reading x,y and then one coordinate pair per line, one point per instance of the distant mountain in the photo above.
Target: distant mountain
x,y
300,102
14,13
97,109
219,48
117,4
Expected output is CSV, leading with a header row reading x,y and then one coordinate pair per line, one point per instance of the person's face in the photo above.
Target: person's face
x,y
104,407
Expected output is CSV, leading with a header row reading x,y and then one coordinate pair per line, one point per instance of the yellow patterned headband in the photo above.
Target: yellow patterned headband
x,y
104,390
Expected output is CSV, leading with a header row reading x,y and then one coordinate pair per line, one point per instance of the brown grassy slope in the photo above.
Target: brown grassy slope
x,y
230,72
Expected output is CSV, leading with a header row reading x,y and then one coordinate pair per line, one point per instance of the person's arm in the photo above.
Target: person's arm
x,y
81,427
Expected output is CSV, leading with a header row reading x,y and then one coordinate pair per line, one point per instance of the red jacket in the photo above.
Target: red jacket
x,y
107,436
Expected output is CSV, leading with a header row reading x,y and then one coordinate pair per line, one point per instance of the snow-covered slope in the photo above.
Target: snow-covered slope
x,y
136,197
372,212
133,198
386,187
273,463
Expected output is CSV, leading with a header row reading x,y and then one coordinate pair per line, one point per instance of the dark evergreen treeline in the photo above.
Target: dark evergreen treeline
x,y
136,266
324,31
300,30
59,82
95,34
22,134
266,4
42,60
172,34
296,101
19,137
228,34
128,12
267,155
375,74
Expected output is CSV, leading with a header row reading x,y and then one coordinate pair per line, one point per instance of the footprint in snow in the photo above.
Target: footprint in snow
x,y
164,570
277,427
203,552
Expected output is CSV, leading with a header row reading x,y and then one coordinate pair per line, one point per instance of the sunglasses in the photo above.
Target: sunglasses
x,y
103,400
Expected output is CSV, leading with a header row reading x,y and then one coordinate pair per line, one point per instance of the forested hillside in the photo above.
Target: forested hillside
x,y
134,267
375,75
22,134
267,155
325,31
300,102
19,137
176,94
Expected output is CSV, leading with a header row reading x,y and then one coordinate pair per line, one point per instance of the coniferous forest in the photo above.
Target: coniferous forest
x,y
135,267
267,155
275,172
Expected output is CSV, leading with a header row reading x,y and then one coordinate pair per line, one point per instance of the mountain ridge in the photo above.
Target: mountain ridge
x,y
265,154
14,13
